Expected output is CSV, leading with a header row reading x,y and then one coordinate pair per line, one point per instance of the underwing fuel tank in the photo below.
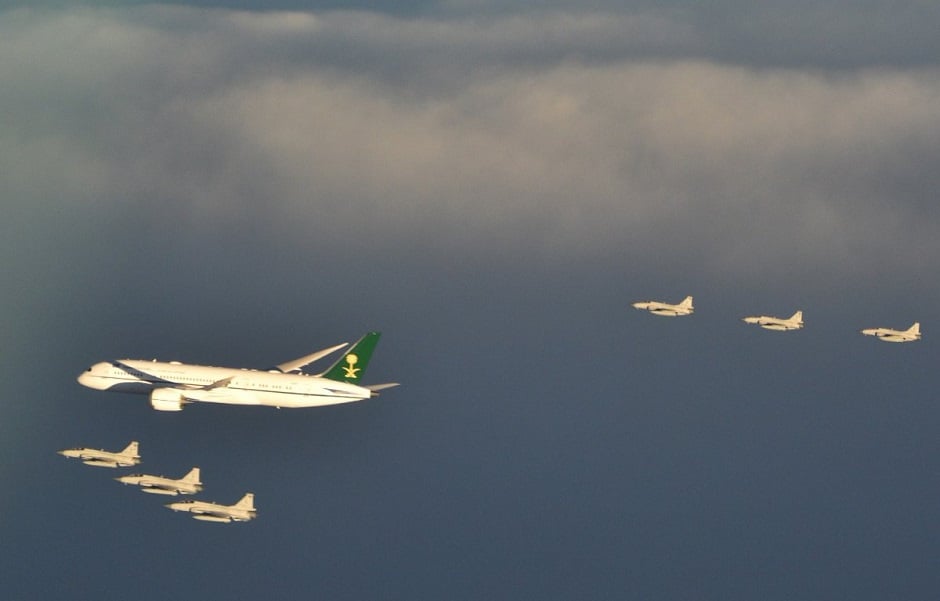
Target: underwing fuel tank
x,y
160,491
98,463
211,518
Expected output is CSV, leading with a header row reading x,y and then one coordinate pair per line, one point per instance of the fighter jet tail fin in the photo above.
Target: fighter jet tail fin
x,y
192,476
352,365
686,303
914,329
246,502
797,317
131,449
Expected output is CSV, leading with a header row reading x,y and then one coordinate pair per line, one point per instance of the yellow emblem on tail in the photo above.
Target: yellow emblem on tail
x,y
351,360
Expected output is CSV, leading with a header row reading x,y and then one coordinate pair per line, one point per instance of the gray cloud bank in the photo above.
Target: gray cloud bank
x,y
545,136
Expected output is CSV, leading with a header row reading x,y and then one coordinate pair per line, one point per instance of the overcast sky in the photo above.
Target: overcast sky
x,y
240,183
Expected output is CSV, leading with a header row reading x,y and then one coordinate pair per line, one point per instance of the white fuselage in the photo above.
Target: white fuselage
x,y
160,485
775,323
177,382
214,512
664,309
889,335
99,458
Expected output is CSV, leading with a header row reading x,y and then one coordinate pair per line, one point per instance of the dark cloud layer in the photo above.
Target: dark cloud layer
x,y
491,192
831,34
223,111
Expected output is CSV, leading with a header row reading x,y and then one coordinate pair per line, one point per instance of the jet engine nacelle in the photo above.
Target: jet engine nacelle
x,y
166,399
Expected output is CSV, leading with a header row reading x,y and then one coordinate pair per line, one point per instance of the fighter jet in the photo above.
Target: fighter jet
x,y
99,458
888,335
161,485
659,308
795,322
242,511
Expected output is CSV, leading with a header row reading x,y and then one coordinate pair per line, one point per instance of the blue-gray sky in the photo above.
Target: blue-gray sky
x,y
239,184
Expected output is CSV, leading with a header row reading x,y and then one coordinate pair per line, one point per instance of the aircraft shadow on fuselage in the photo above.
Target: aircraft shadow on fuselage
x,y
139,387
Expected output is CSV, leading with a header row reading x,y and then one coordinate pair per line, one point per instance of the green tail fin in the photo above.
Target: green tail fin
x,y
352,365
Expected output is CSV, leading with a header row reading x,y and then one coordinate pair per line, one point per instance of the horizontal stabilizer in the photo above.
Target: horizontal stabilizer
x,y
375,388
307,359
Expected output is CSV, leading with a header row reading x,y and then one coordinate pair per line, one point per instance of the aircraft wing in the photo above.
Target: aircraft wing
x,y
307,359
157,486
219,383
218,513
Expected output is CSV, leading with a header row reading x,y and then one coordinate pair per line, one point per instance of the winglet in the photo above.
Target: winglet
x,y
307,359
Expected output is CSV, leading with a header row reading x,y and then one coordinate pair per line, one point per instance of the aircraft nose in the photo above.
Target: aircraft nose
x,y
89,379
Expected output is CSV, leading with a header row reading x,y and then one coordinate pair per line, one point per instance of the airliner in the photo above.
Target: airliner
x,y
189,484
888,335
173,384
242,511
99,458
666,309
794,322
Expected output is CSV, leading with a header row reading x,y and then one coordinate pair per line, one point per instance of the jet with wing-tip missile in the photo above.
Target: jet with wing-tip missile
x,y
99,458
206,511
794,322
888,335
666,309
189,484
